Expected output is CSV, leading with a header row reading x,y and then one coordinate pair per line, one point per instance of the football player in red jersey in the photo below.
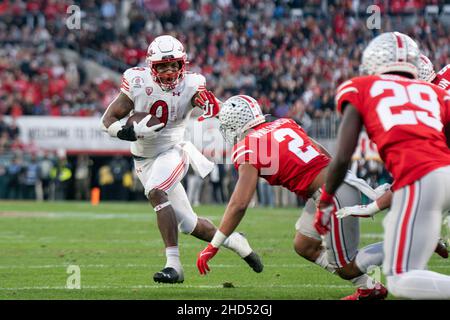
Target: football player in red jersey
x,y
426,73
283,154
408,121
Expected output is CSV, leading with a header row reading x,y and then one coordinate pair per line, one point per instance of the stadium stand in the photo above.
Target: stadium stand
x,y
290,54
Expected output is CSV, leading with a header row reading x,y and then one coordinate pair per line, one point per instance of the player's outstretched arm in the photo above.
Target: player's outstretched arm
x,y
235,211
118,109
346,143
369,210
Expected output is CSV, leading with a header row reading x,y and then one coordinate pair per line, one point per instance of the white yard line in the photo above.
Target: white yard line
x,y
76,215
181,286
102,266
21,239
143,265
371,235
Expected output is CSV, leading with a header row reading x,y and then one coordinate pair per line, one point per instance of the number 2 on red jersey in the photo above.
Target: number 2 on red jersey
x,y
420,95
295,144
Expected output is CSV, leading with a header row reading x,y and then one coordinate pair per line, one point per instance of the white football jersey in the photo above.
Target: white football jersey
x,y
171,107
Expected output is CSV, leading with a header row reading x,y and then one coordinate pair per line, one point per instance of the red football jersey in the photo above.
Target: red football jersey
x,y
443,78
404,118
283,154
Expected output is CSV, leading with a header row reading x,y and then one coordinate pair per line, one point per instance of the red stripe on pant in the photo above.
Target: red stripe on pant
x,y
166,184
337,238
404,231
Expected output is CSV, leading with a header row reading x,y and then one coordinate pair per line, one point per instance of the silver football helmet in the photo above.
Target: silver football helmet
x,y
391,52
237,115
426,69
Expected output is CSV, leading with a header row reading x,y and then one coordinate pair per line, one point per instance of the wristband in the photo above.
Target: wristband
x,y
114,128
373,207
218,239
325,196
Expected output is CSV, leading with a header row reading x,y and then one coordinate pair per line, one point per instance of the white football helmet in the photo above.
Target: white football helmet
x,y
426,69
162,50
237,115
391,52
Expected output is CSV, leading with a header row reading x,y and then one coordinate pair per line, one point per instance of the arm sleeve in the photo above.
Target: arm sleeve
x,y
201,83
125,85
348,92
242,153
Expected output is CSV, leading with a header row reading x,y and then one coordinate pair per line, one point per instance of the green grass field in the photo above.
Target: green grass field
x,y
117,247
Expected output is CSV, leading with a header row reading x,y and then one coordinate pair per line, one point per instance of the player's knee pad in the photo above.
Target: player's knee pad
x,y
187,224
369,256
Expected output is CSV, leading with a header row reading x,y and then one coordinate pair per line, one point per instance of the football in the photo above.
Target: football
x,y
138,116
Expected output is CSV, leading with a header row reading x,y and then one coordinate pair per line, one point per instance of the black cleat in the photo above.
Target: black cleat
x,y
441,249
168,275
254,261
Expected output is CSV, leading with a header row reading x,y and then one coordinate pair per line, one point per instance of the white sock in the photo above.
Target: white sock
x,y
239,244
173,258
420,284
322,261
364,282
369,256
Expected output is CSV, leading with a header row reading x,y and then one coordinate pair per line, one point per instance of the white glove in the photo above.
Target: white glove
x,y
143,132
382,189
362,211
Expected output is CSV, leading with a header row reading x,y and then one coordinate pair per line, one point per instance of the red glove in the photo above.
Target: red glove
x,y
204,256
325,208
208,102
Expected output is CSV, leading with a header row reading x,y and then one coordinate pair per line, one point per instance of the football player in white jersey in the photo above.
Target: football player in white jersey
x,y
166,91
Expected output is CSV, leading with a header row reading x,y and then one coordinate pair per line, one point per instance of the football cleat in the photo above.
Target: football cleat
x,y
168,275
379,292
441,249
254,261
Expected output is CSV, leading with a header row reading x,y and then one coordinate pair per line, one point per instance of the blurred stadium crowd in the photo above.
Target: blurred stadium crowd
x,y
290,54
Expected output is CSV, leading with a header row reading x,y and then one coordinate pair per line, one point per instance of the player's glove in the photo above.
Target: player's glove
x,y
126,133
325,208
362,211
204,256
142,131
209,103
382,189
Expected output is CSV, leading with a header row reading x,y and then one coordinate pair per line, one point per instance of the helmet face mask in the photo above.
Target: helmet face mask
x,y
166,79
391,52
165,50
231,136
237,115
